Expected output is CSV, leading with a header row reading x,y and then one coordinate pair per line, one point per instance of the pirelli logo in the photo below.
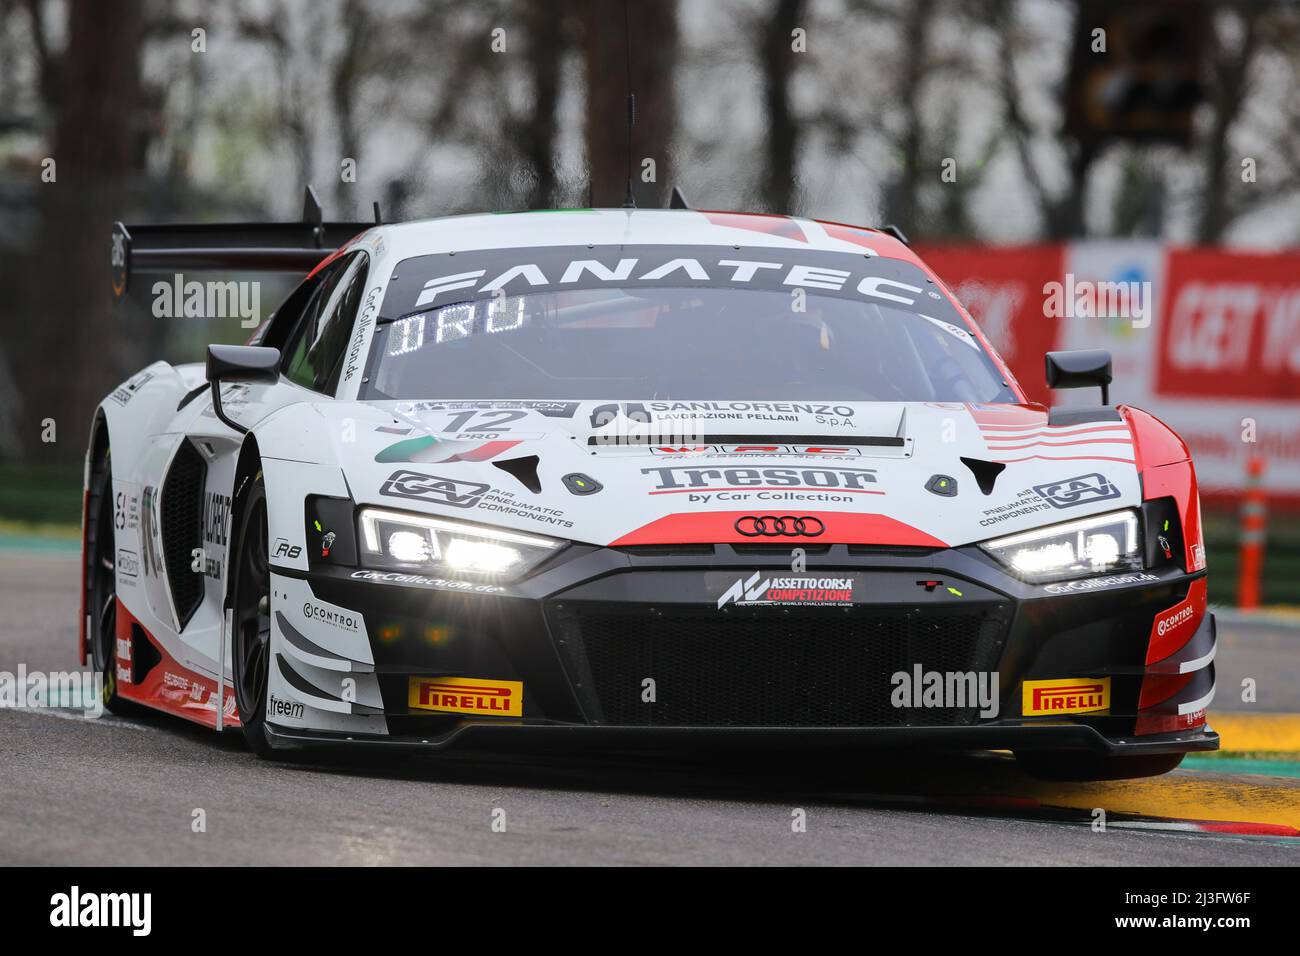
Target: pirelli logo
x,y
1074,696
467,695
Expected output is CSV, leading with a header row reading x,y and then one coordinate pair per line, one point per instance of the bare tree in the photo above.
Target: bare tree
x,y
48,63
1062,210
904,204
1241,40
1230,68
778,59
96,148
549,37
641,52
359,29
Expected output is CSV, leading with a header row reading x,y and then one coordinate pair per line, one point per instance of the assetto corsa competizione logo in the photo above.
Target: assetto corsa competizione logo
x,y
799,589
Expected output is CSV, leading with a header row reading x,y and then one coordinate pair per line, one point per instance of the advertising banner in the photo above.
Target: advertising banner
x,y
1208,340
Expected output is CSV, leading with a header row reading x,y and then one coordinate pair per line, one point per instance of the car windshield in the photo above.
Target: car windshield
x,y
678,342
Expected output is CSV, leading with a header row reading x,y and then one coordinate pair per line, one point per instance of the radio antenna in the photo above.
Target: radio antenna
x,y
629,201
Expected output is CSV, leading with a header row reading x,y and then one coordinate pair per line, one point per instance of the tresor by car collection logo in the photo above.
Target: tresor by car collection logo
x,y
684,477
777,526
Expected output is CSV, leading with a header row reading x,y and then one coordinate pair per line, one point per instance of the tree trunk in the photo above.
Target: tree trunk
x,y
548,42
650,61
905,208
76,345
777,61
1230,69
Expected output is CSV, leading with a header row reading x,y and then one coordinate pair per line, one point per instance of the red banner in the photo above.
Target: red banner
x,y
1214,350
1231,326
1003,289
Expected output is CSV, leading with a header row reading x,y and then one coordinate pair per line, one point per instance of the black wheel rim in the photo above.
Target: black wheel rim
x,y
251,615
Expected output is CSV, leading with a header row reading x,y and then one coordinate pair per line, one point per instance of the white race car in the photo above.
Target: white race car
x,y
635,479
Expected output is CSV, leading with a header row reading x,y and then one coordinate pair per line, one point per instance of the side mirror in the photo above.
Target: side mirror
x,y
239,363
1080,368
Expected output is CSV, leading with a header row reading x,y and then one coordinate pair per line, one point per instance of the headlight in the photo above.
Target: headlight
x,y
1073,549
409,542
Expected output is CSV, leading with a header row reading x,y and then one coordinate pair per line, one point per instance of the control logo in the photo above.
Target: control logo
x,y
806,590
1073,696
1170,621
341,619
445,491
467,695
1078,491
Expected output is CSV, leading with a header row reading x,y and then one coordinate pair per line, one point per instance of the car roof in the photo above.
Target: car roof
x,y
604,227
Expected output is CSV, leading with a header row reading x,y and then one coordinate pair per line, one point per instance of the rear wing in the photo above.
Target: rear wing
x,y
282,247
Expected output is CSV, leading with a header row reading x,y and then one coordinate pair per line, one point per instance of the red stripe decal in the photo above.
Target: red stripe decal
x,y
1059,444
782,226
717,527
1012,461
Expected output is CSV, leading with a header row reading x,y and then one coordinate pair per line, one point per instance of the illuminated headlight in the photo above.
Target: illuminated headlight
x,y
1073,549
409,542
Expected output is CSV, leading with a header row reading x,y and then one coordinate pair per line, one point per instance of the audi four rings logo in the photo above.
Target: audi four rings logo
x,y
777,526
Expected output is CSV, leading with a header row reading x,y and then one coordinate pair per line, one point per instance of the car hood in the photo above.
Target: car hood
x,y
676,472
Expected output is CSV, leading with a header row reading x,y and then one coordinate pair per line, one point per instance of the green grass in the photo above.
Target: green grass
x,y
1281,579
1227,756
40,496
1266,764
29,529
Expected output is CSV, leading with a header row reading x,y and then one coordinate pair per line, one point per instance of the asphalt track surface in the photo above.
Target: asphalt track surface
x,y
114,791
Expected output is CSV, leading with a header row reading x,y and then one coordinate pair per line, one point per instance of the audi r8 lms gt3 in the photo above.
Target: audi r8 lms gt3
x,y
635,479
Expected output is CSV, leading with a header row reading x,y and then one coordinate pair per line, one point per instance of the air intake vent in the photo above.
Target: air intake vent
x,y
771,666
182,529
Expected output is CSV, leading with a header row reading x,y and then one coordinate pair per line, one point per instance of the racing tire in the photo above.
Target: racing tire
x,y
101,585
1083,767
250,603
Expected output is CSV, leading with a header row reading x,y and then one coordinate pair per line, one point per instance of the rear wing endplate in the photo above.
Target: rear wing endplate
x,y
281,247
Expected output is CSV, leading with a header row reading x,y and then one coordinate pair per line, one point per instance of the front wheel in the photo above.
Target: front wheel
x,y
250,600
1064,765
101,585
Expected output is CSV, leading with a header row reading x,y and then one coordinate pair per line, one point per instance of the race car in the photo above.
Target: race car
x,y
635,480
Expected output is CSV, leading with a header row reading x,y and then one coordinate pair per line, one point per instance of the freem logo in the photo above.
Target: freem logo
x,y
1071,696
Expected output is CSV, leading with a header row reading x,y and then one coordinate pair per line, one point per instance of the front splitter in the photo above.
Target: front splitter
x,y
524,737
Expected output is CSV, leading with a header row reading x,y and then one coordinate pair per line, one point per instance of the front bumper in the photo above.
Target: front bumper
x,y
586,632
